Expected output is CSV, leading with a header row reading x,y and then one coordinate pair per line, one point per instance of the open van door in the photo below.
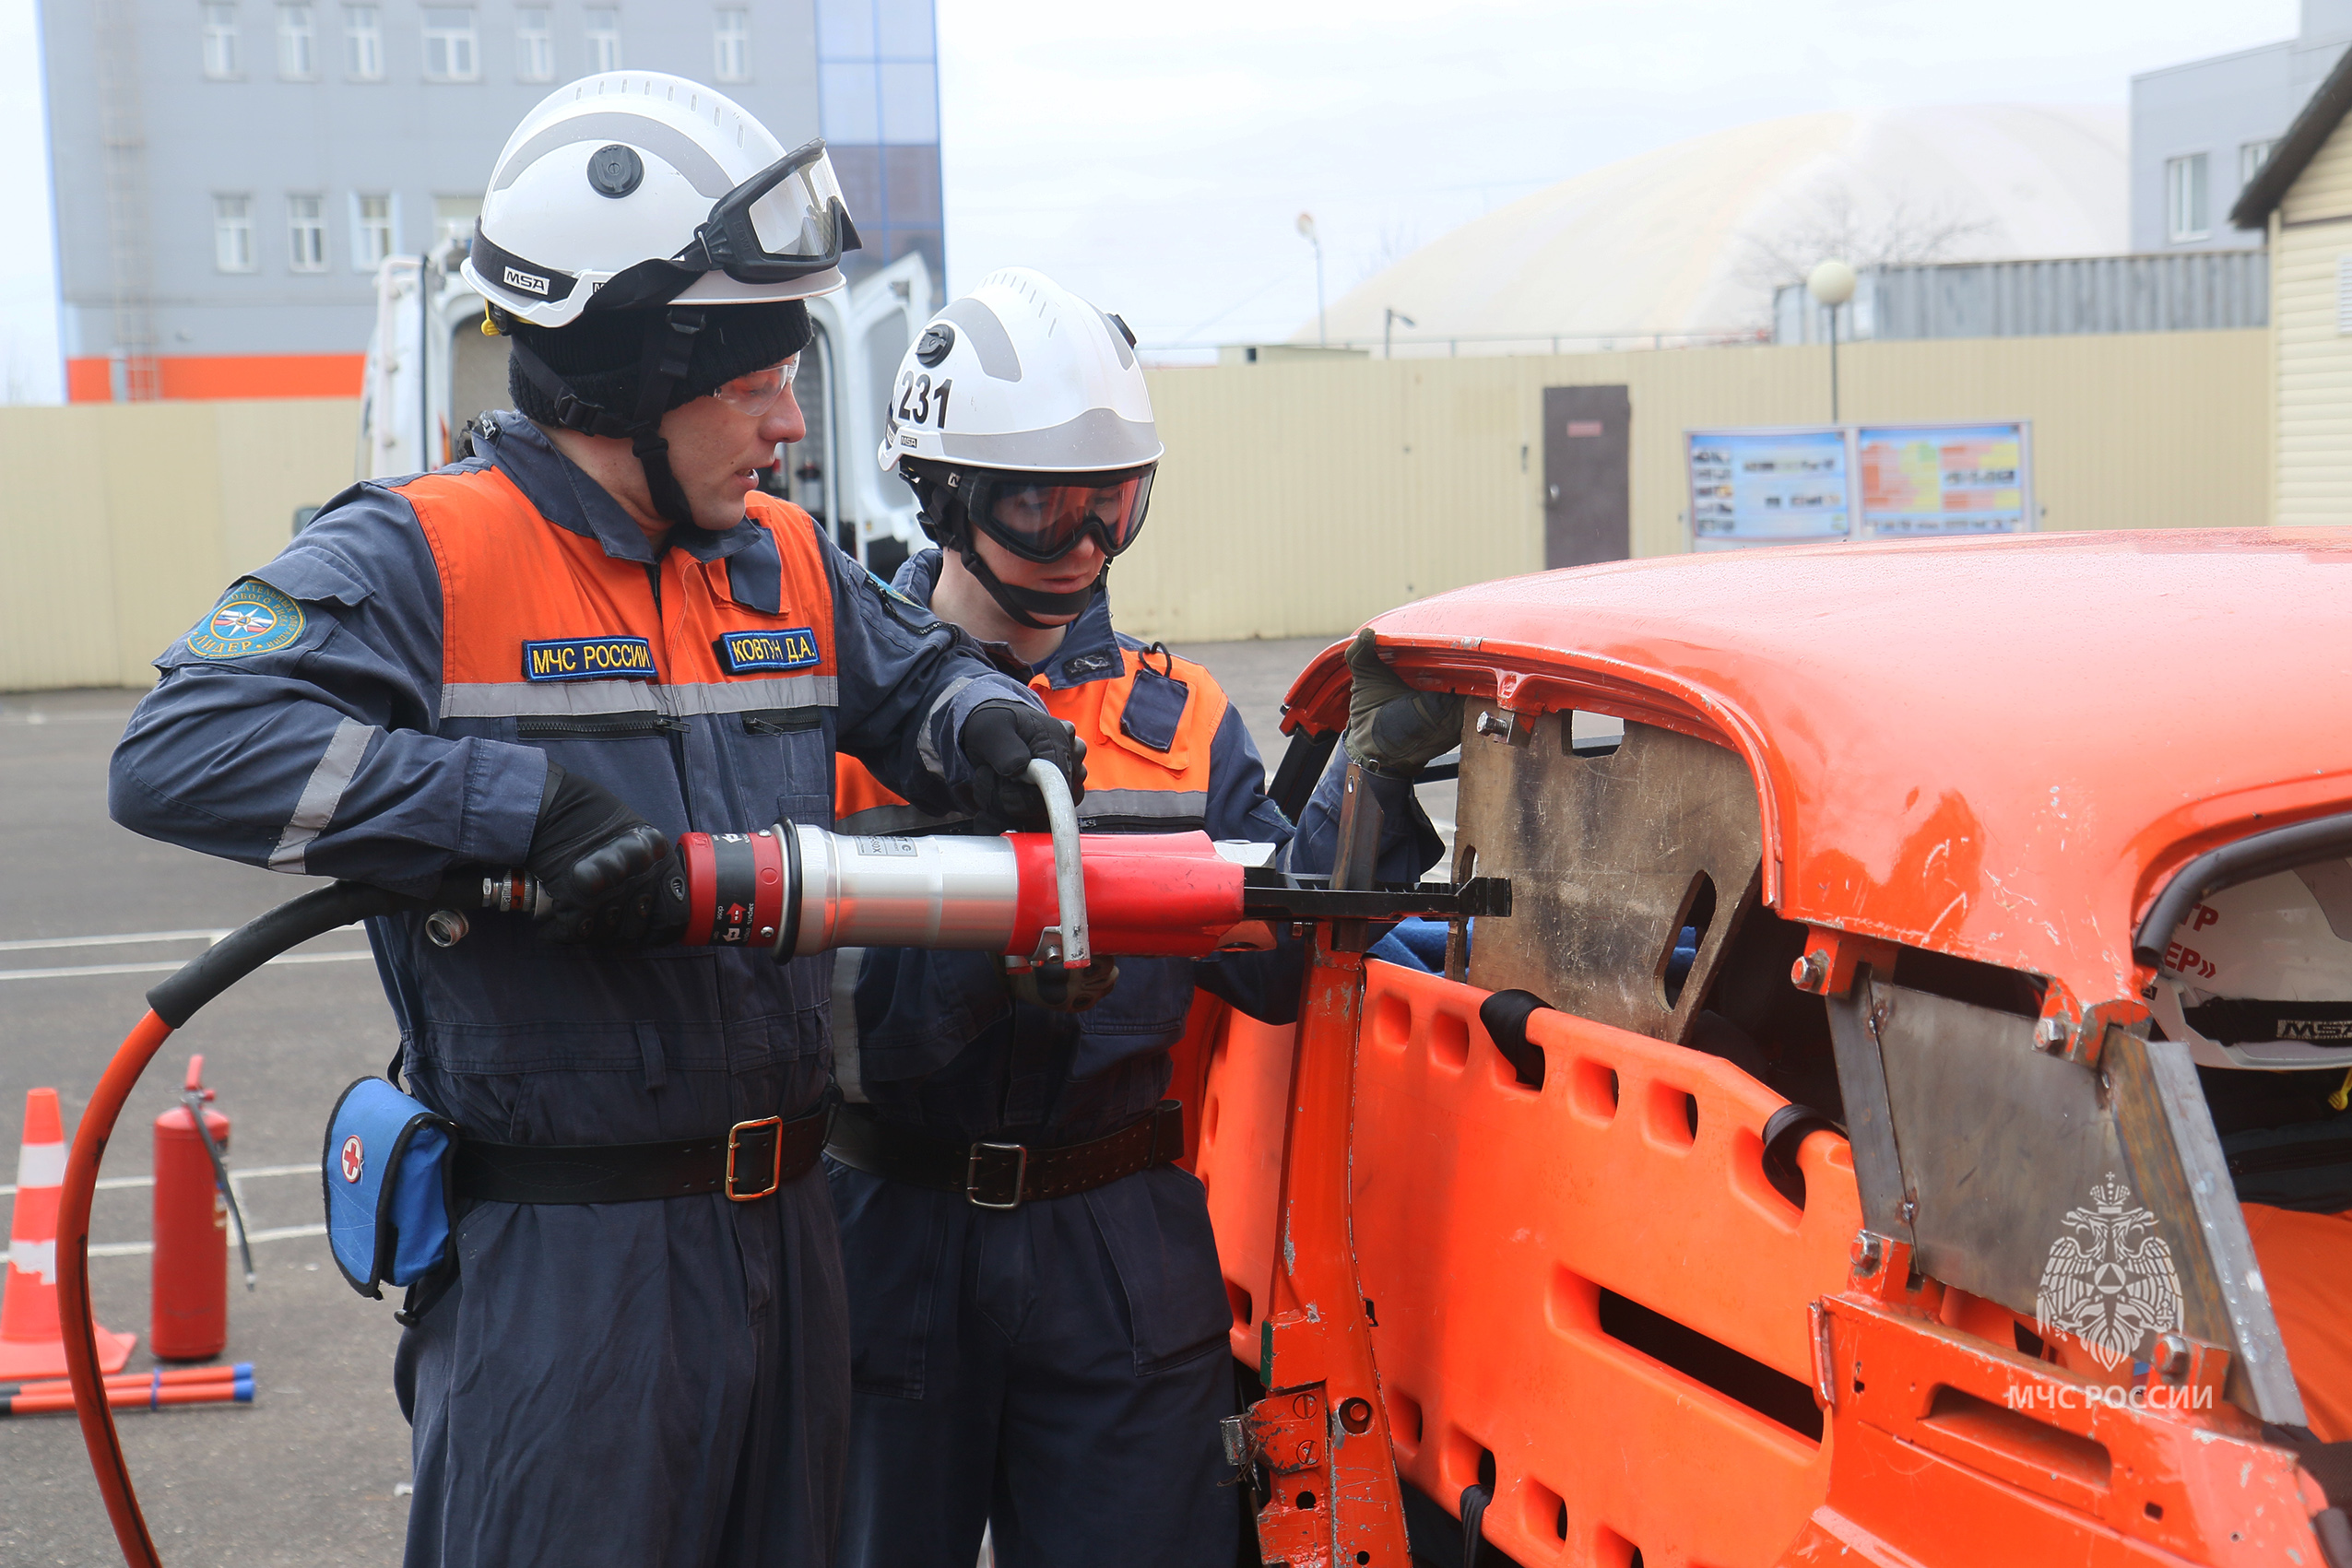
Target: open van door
x,y
431,370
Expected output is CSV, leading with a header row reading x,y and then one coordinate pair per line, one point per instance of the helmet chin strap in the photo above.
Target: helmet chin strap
x,y
1018,602
669,346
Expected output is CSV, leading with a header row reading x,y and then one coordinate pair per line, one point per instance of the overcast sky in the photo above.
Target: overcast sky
x,y
1155,156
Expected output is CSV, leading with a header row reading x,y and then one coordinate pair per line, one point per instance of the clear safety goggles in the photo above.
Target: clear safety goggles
x,y
755,392
1041,517
802,230
786,222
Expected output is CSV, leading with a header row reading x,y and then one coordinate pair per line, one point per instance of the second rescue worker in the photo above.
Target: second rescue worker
x,y
1038,1322
562,652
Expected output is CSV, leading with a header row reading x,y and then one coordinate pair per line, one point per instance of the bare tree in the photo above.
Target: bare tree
x,y
1396,242
1832,223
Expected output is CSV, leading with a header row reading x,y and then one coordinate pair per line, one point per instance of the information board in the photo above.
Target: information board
x,y
1920,480
1758,487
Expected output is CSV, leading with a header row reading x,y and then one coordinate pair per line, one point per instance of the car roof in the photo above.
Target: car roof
x,y
1997,747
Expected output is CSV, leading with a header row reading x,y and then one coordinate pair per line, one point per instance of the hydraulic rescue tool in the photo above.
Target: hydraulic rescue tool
x,y
1047,898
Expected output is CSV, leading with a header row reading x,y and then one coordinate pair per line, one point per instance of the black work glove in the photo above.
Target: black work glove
x,y
1392,727
614,879
1001,739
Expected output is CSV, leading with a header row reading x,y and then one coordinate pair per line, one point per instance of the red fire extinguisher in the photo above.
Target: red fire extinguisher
x,y
193,1207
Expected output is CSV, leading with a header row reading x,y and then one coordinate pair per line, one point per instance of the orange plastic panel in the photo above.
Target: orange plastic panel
x,y
1943,1440
1489,1217
1239,1159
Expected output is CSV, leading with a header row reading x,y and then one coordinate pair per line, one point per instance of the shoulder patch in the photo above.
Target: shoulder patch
x,y
251,617
744,652
589,658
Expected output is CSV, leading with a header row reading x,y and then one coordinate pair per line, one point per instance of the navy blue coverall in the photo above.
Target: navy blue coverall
x,y
1057,1370
661,1382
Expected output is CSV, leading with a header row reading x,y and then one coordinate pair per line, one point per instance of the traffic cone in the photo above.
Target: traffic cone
x,y
30,1343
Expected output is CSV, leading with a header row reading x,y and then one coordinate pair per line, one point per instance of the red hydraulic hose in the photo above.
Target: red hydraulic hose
x,y
74,1319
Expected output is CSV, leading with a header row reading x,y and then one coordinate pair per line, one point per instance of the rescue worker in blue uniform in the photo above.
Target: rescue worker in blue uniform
x,y
1039,1326
536,657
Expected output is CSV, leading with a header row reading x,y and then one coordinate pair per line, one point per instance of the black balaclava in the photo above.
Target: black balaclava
x,y
617,373
950,526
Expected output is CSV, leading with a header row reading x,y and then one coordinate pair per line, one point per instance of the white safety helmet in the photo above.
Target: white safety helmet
x,y
634,189
1021,411
2260,976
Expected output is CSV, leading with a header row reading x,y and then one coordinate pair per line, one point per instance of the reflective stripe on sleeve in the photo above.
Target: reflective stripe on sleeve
x,y
505,699
926,750
1189,806
322,795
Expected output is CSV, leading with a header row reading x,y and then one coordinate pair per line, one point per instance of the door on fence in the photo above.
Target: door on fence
x,y
1588,492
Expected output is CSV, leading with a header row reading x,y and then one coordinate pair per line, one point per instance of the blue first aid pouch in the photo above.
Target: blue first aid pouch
x,y
389,1170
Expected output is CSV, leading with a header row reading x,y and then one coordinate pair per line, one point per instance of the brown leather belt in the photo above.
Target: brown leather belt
x,y
747,1162
1004,1175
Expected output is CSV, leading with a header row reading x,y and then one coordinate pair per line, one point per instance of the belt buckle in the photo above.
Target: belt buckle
x,y
972,1174
774,1124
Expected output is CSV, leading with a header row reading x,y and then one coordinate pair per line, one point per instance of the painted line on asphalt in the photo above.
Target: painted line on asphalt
x,y
77,970
137,1249
119,939
236,1178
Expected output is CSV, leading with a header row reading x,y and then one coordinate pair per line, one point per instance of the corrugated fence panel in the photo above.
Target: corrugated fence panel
x,y
2190,291
1297,499
123,521
57,597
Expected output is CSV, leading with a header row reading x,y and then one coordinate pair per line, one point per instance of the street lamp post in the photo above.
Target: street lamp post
x,y
1831,284
1306,233
1390,316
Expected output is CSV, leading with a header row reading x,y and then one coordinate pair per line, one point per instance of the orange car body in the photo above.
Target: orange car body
x,y
1992,750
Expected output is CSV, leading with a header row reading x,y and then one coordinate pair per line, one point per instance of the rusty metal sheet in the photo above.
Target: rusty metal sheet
x,y
2008,1154
1604,853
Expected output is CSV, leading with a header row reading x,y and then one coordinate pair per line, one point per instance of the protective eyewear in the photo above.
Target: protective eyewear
x,y
1041,517
810,202
754,394
795,202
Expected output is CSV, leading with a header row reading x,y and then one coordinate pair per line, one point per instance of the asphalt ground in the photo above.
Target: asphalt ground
x,y
311,1472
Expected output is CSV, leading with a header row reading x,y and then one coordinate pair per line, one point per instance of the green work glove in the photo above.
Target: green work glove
x,y
1392,728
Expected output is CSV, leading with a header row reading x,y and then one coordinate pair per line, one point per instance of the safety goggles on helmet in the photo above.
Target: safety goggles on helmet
x,y
734,240
1041,517
755,392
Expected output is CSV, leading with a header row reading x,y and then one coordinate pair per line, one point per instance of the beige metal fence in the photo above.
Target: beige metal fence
x,y
122,522
1297,498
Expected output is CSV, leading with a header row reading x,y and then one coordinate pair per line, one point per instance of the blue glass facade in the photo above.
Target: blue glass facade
x,y
877,87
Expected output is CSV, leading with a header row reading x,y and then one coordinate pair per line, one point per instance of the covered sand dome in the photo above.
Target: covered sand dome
x,y
1688,239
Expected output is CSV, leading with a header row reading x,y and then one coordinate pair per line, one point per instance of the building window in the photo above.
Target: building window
x,y
363,43
450,55
371,231
604,39
232,233
452,219
2252,156
297,43
220,42
2185,198
534,45
733,43
306,234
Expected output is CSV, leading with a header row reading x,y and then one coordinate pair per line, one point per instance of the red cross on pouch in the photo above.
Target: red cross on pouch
x,y
352,1165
